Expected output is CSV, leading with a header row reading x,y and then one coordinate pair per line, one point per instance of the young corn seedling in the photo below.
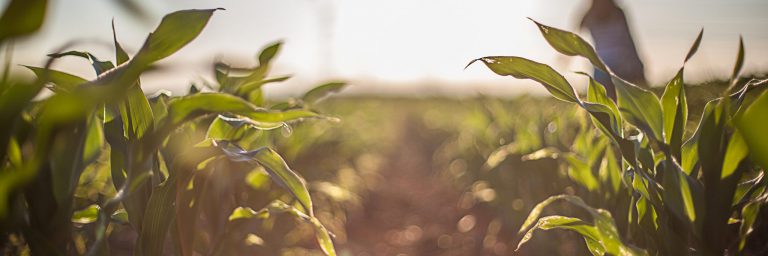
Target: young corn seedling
x,y
152,149
686,190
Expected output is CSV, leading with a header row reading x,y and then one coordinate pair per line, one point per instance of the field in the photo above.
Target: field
x,y
101,167
423,163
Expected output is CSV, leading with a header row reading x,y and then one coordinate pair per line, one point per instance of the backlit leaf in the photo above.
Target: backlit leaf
x,y
174,32
63,82
561,222
275,166
192,106
739,61
640,108
751,124
737,150
87,215
269,52
570,44
695,46
321,91
675,109
522,68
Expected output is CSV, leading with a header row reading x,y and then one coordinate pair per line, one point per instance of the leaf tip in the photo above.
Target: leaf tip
x,y
471,62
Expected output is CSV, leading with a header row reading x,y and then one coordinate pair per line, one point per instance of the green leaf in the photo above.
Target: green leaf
x,y
596,93
604,118
675,109
522,68
581,172
275,166
678,193
739,61
158,216
640,108
611,171
234,128
158,103
536,211
94,140
136,113
269,52
120,55
87,215
690,151
249,88
737,150
695,46
751,124
323,237
607,234
22,17
120,216
570,44
98,65
690,156
14,153
242,213
574,224
276,207
749,214
499,155
175,31
188,107
317,93
64,82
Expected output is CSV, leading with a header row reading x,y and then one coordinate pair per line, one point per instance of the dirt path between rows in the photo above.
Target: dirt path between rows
x,y
413,211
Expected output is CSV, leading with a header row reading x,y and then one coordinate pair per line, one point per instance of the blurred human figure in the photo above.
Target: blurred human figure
x,y
614,44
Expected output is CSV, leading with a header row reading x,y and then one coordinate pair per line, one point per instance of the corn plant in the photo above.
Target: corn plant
x,y
687,192
159,152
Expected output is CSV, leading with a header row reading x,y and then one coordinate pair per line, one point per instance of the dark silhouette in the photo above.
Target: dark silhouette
x,y
613,41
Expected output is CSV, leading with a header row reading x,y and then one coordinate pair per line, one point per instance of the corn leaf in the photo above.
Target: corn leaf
x,y
188,107
269,52
174,32
581,172
749,215
277,207
275,166
570,44
319,92
596,94
136,113
62,81
586,230
87,215
120,55
640,108
22,17
98,65
522,68
739,61
675,109
751,124
737,150
695,46
605,228
680,194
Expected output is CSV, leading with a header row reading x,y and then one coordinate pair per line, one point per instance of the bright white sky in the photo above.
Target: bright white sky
x,y
395,45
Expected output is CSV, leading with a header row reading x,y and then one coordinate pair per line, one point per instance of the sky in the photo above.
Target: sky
x,y
404,46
